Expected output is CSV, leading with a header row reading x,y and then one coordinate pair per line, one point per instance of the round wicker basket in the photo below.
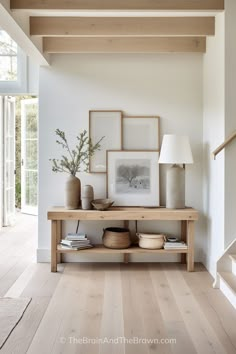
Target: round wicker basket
x,y
151,241
116,237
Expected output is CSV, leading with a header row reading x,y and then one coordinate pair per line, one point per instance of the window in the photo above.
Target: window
x,y
8,58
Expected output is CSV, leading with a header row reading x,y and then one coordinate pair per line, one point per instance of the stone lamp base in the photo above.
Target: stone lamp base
x,y
175,187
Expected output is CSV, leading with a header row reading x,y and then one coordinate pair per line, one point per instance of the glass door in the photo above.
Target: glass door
x,y
29,156
9,161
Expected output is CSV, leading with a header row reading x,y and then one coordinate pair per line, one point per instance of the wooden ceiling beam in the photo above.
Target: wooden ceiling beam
x,y
9,24
122,26
119,5
124,45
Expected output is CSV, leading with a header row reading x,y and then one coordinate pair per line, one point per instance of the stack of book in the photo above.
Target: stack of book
x,y
179,245
75,241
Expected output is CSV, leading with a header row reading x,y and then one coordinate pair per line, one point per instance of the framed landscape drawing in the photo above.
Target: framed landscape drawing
x,y
109,125
133,178
141,133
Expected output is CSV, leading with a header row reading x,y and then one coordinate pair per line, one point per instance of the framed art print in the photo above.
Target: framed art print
x,y
141,133
109,125
133,178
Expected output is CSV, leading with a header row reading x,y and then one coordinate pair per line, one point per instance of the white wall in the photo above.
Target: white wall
x,y
230,120
213,135
219,117
32,77
165,85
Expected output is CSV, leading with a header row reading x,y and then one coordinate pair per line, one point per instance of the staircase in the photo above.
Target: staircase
x,y
226,274
226,265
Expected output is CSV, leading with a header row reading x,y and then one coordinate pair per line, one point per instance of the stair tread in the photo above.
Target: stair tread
x,y
230,279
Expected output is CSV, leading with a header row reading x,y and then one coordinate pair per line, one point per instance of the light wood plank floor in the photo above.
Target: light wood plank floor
x,y
111,308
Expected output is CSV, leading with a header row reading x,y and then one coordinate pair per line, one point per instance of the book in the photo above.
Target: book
x,y
75,243
80,234
175,248
175,245
76,236
76,248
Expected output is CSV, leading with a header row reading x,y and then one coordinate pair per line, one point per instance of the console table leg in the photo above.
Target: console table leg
x,y
59,236
190,241
126,224
183,238
54,246
126,257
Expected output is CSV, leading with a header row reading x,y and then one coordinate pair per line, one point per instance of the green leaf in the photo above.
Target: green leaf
x,y
78,157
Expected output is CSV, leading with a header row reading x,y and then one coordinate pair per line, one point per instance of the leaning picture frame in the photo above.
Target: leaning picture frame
x,y
140,132
133,178
107,124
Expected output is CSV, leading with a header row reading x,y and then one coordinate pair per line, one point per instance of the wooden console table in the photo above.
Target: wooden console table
x,y
187,217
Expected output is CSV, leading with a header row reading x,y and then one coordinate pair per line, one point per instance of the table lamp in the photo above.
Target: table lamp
x,y
175,150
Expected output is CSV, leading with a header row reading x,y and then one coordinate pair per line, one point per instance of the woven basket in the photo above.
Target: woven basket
x,y
116,237
151,241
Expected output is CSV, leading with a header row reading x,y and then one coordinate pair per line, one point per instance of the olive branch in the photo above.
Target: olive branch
x,y
77,159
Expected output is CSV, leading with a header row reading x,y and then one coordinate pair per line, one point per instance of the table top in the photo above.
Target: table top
x,y
123,213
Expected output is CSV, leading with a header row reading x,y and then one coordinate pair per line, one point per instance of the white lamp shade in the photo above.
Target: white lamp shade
x,y
175,149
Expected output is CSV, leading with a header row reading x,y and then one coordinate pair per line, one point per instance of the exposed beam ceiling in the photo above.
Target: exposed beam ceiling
x,y
117,26
119,5
124,45
9,25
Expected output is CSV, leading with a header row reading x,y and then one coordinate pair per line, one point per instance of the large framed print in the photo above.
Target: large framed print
x,y
109,125
133,178
141,133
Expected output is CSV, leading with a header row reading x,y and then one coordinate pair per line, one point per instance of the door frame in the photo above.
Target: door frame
x,y
8,218
24,208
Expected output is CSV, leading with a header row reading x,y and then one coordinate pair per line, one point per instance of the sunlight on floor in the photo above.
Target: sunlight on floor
x,y
21,236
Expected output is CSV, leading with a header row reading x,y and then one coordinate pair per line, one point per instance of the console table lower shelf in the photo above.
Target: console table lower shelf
x,y
100,249
133,249
186,216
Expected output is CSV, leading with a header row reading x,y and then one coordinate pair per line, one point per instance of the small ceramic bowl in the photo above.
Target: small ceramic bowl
x,y
172,239
102,204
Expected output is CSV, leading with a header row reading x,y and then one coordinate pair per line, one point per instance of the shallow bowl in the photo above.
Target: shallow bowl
x,y
102,204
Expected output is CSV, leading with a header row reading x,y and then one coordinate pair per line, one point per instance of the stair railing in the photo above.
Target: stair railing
x,y
222,146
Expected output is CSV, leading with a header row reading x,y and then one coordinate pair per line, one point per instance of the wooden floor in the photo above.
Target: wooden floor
x,y
111,308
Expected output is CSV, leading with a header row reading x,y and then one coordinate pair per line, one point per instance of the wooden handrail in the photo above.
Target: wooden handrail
x,y
222,146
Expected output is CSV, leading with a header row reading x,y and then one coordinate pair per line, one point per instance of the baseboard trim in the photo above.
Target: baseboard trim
x,y
210,265
43,255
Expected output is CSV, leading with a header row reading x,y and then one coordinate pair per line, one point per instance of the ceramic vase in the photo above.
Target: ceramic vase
x,y
72,192
87,196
